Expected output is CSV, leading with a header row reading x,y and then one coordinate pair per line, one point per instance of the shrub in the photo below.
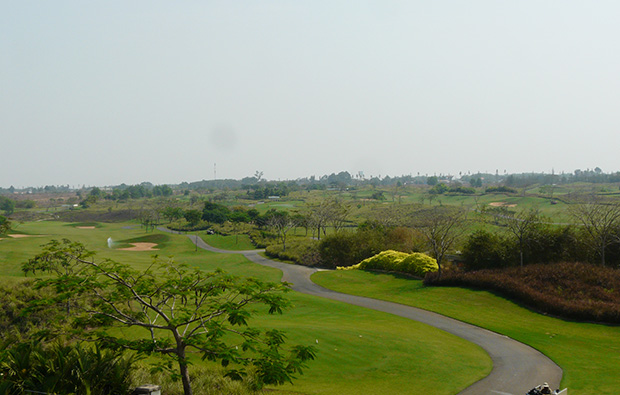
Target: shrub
x,y
262,238
500,189
205,381
577,291
66,369
347,248
301,251
484,250
416,264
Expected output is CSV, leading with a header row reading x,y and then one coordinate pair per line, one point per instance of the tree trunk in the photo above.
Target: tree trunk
x,y
187,388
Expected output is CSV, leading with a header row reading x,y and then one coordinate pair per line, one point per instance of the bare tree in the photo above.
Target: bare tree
x,y
442,226
521,225
282,222
392,215
329,211
600,220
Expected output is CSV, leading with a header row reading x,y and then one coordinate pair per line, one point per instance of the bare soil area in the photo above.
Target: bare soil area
x,y
141,247
501,204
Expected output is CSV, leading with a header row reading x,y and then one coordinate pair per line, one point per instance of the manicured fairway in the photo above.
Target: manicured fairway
x,y
588,353
233,243
358,349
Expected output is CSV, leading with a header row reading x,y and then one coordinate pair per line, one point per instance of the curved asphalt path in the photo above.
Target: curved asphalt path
x,y
517,368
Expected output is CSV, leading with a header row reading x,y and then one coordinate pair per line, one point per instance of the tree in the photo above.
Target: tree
x,y
522,225
282,222
215,213
442,226
600,221
8,205
179,310
173,213
192,216
5,225
329,211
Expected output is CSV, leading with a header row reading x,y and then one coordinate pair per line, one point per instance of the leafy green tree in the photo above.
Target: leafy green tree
x,y
172,213
8,205
5,225
215,213
192,216
433,180
180,310
485,250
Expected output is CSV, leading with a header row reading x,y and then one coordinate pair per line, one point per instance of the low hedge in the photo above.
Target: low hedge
x,y
301,251
577,291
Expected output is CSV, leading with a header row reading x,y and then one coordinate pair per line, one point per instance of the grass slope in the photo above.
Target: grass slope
x,y
588,353
233,243
357,348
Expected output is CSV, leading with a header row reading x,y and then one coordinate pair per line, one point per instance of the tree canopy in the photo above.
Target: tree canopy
x,y
180,310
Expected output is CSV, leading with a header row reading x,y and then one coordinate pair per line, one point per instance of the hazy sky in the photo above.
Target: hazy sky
x,y
110,92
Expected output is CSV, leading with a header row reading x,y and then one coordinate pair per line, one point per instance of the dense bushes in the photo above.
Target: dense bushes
x,y
64,369
571,290
484,250
302,251
416,264
544,244
350,248
500,189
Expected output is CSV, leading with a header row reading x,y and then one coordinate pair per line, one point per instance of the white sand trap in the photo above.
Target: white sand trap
x,y
141,247
502,204
20,236
85,227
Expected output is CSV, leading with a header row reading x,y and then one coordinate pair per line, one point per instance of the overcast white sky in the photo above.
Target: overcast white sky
x,y
106,92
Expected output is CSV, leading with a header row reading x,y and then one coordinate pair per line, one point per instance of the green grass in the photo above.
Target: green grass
x,y
588,353
357,348
233,242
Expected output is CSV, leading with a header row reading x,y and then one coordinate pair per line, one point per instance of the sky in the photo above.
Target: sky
x,y
110,92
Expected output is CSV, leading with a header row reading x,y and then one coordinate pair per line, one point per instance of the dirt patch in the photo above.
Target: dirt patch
x,y
502,204
141,247
85,227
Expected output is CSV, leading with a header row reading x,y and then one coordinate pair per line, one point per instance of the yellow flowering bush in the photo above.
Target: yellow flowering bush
x,y
417,264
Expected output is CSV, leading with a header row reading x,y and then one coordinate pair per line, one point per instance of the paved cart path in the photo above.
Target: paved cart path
x,y
517,367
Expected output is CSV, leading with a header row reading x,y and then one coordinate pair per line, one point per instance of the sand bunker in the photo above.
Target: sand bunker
x,y
20,236
141,247
85,227
502,204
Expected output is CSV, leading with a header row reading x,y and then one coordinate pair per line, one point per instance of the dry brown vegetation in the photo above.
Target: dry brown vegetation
x,y
575,291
